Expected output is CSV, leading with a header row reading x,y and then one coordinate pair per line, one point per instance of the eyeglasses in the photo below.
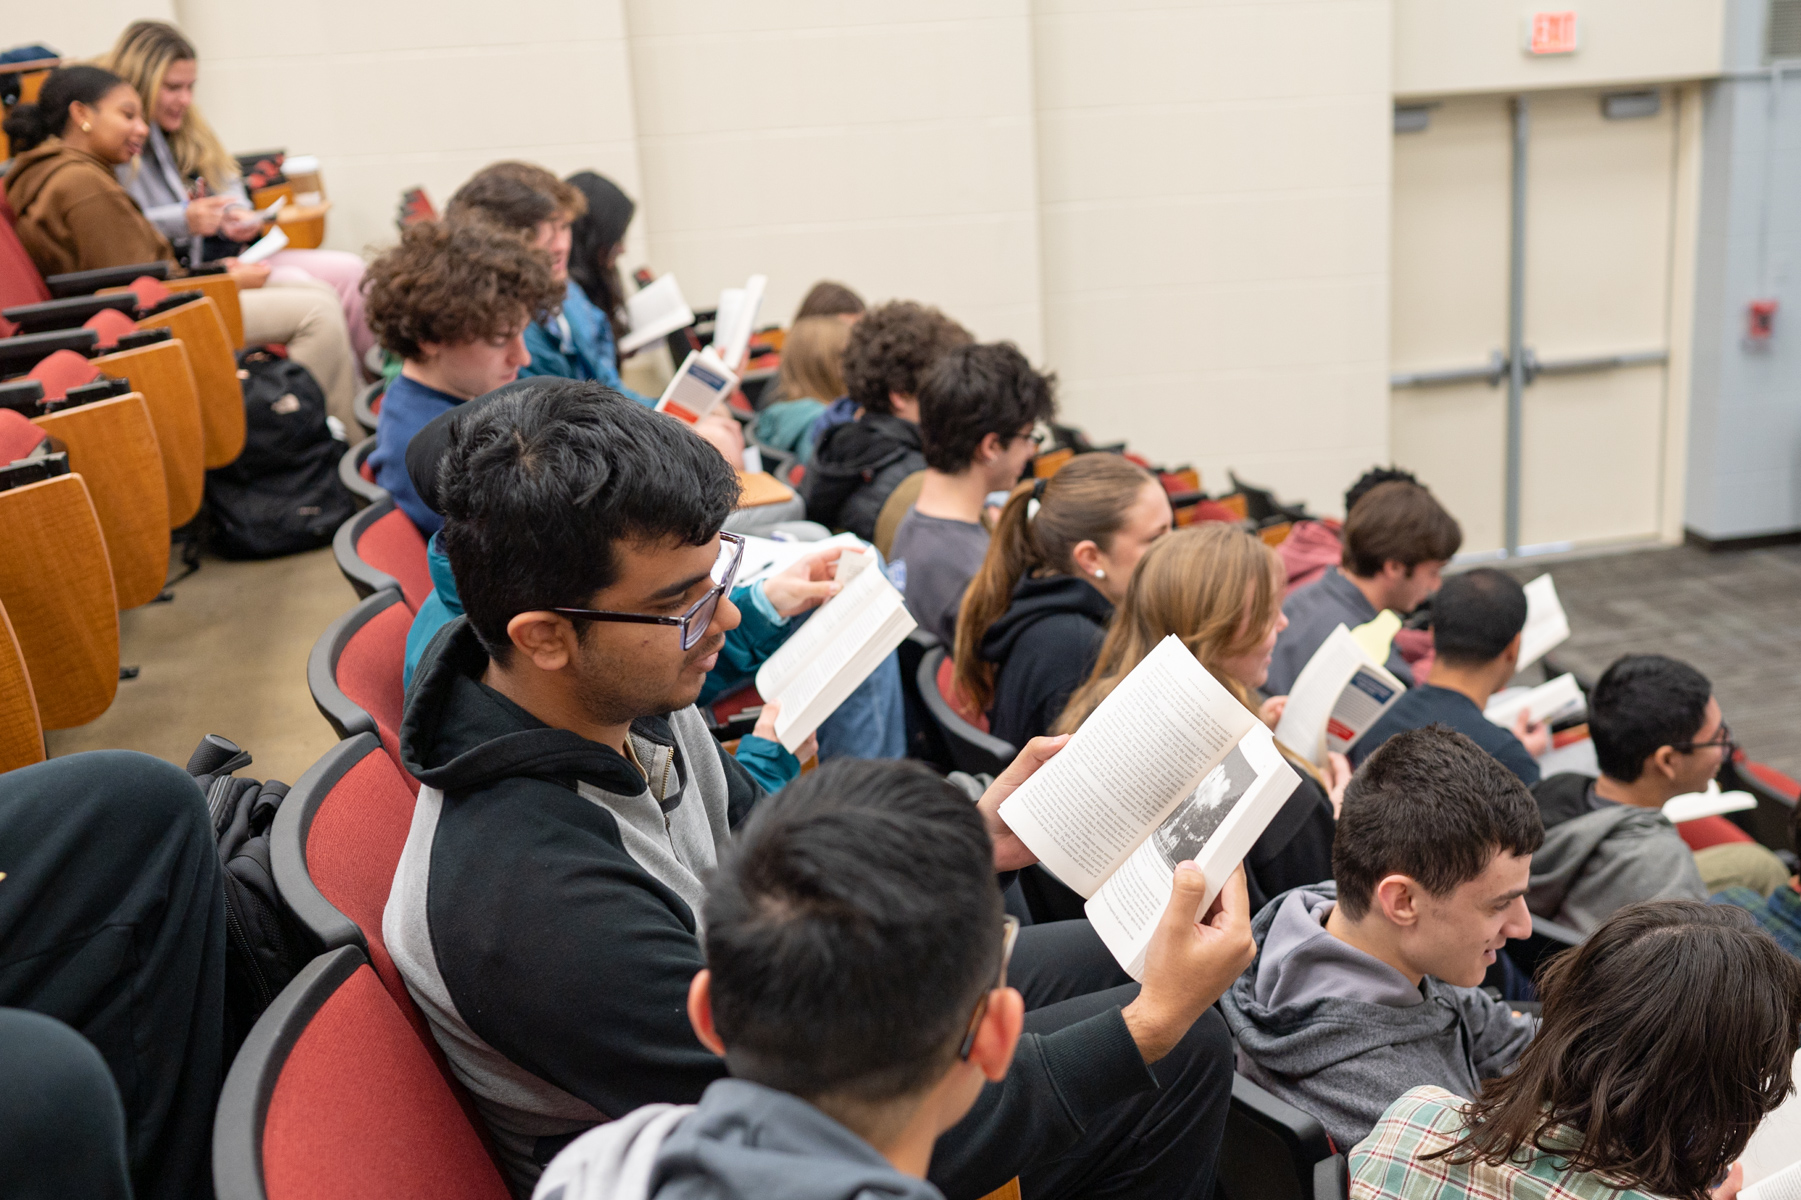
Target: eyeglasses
x,y
1009,935
1033,435
1720,741
694,622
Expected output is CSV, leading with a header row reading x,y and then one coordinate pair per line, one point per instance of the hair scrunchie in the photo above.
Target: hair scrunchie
x,y
1037,500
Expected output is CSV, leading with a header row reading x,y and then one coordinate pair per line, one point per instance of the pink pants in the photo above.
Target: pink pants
x,y
338,268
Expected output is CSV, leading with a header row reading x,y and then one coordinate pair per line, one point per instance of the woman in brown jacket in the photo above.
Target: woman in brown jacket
x,y
71,215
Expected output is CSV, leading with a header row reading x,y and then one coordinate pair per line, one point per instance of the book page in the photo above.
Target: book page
x,y
1691,806
764,557
1775,1146
788,663
698,385
655,311
1783,1185
1216,826
1546,625
831,677
1546,702
1164,727
1337,696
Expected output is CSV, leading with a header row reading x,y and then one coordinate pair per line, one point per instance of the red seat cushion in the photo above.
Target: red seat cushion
x,y
729,706
1703,832
61,371
947,673
20,282
370,672
359,1112
149,290
392,543
365,470
111,325
18,436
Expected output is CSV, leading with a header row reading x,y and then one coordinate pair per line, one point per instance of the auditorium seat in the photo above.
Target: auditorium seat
x,y
333,1095
21,733
356,668
367,405
161,374
223,291
970,749
380,547
112,445
57,588
61,371
1274,1151
111,325
202,331
355,475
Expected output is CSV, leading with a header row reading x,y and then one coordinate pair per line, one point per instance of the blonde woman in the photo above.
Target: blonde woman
x,y
187,183
812,377
1220,590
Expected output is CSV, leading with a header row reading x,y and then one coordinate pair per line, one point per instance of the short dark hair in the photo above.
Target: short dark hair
x,y
540,481
516,195
1475,615
452,282
1370,479
891,349
28,125
1398,521
1642,702
851,928
975,391
1667,1037
1432,805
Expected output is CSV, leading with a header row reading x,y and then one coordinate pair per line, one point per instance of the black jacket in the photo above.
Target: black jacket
x,y
855,467
1043,647
1296,848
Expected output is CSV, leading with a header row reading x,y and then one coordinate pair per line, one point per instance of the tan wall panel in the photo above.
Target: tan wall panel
x,y
1447,46
1453,439
1590,454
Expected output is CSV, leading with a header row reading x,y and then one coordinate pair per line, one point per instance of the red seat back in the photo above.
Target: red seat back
x,y
358,1110
370,671
61,371
111,325
149,291
18,436
392,543
20,282
1703,832
947,677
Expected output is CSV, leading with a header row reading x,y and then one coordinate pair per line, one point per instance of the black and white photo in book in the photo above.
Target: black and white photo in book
x,y
1184,834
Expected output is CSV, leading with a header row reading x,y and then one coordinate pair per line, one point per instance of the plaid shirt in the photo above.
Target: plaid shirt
x,y
1387,1164
1780,915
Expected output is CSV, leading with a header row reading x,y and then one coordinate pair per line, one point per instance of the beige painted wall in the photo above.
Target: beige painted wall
x,y
1442,47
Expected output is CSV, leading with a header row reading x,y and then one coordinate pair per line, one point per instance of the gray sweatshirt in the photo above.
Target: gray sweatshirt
x,y
742,1141
1592,865
1340,1034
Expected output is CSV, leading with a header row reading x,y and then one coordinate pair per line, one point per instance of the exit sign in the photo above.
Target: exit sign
x,y
1551,33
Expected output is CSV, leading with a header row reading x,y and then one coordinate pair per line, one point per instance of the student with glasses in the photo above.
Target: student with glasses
x,y
550,904
978,414
1658,733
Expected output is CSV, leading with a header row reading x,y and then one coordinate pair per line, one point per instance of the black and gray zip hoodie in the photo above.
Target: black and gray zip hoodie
x,y
545,917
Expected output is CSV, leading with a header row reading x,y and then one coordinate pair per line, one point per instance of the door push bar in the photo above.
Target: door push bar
x,y
1494,373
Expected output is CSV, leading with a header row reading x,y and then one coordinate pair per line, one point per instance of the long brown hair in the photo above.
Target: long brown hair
x,y
141,57
1086,501
813,359
1191,583
1667,1036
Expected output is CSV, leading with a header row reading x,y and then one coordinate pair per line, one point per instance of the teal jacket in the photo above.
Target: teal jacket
x,y
578,346
755,639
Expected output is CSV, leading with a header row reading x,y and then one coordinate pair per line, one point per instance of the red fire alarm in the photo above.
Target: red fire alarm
x,y
1760,320
1551,33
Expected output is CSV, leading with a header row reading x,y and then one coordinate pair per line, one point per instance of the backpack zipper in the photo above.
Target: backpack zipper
x,y
234,932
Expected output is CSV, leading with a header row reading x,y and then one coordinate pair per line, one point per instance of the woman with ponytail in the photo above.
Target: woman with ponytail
x,y
71,214
1220,590
1059,559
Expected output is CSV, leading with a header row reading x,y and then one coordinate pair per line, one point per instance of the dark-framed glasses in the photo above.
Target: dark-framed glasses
x,y
693,623
1009,935
1719,741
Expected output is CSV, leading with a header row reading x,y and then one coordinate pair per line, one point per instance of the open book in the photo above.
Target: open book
x,y
1772,1159
1551,701
1338,695
1169,767
841,644
655,310
1546,625
736,319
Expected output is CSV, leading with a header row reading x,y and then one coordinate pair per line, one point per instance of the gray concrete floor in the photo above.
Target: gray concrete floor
x,y
226,656
1734,614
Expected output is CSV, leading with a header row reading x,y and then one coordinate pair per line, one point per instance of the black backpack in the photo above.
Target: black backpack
x,y
849,458
263,948
282,495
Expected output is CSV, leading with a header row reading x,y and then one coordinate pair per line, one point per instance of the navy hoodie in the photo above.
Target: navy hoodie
x,y
1043,647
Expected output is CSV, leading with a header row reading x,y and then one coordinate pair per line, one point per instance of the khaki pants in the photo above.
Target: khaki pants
x,y
308,318
1740,864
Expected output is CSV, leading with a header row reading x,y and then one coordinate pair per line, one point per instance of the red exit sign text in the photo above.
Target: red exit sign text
x,y
1551,33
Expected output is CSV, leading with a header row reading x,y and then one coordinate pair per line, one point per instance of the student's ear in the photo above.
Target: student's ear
x,y
1087,557
998,1036
989,449
1511,655
1394,570
1663,762
1398,898
700,1012
905,407
545,638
